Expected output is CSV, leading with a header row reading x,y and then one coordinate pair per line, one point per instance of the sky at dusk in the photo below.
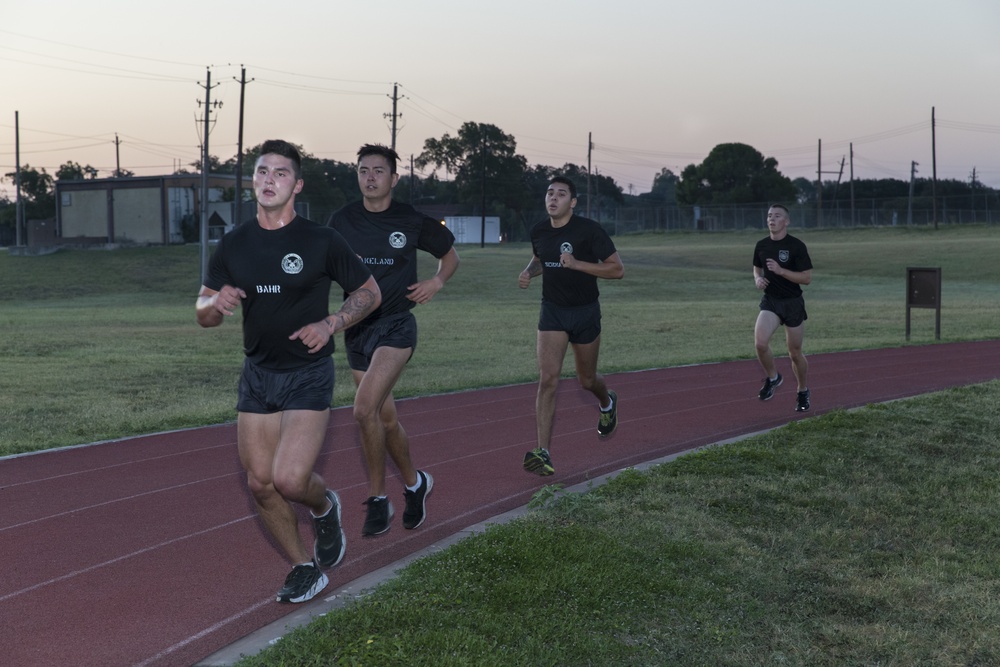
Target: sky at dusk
x,y
657,83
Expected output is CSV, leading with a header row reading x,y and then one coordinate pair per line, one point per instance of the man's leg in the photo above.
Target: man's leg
x,y
375,412
767,324
586,370
800,367
279,452
551,350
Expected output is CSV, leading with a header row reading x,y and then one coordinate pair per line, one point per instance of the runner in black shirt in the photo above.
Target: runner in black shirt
x,y
279,267
570,253
387,234
781,264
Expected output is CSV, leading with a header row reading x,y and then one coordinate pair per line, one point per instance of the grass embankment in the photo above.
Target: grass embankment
x,y
100,345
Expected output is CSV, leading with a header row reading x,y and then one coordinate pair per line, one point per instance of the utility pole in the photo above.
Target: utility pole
x,y
972,186
118,163
853,220
393,115
913,174
205,165
840,177
238,209
819,183
590,148
482,231
19,205
412,178
934,170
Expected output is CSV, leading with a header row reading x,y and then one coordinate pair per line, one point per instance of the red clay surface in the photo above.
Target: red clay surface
x,y
147,551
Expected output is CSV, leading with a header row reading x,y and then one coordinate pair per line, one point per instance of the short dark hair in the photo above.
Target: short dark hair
x,y
391,156
284,149
565,181
781,206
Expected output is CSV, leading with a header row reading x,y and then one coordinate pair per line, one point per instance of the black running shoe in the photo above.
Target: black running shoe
x,y
303,583
609,419
416,501
330,541
767,390
538,462
802,401
379,516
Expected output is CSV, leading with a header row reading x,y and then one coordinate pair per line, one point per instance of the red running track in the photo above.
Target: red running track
x,y
147,551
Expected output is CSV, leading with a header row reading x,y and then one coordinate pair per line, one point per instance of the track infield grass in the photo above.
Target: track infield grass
x,y
101,344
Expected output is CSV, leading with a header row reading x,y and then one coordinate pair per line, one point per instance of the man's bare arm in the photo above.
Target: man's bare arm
x,y
358,305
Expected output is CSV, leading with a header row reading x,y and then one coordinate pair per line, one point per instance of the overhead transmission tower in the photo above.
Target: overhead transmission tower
x,y
205,166
394,115
238,211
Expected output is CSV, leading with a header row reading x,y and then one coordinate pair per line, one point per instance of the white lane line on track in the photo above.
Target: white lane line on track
x,y
118,500
97,566
204,633
87,471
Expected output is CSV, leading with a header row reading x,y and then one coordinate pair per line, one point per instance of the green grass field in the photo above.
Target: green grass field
x,y
103,344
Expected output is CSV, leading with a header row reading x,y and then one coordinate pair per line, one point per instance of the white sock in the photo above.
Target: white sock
x,y
320,516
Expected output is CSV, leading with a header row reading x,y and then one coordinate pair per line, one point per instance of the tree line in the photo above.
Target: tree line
x,y
483,173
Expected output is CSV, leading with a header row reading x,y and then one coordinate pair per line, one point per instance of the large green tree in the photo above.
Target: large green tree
x,y
664,190
72,171
36,193
734,174
486,167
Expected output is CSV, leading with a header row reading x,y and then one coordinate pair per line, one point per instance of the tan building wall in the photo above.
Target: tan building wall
x,y
140,209
84,213
138,216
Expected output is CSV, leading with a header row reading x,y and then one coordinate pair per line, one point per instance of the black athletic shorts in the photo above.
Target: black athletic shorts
x,y
790,312
265,392
363,339
582,323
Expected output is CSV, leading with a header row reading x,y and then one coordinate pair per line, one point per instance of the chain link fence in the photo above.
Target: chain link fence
x,y
959,210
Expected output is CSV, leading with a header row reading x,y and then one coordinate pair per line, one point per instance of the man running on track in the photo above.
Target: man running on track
x,y
387,235
570,253
781,265
279,268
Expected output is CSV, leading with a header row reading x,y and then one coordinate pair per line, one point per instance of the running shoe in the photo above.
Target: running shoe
x,y
303,583
538,462
802,401
609,419
378,518
330,541
767,390
416,501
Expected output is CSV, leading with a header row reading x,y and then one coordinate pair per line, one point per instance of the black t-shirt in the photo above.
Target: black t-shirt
x,y
387,243
583,238
791,254
286,274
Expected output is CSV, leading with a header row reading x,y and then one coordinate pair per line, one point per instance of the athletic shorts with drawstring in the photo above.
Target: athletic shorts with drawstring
x,y
790,312
361,340
582,323
265,392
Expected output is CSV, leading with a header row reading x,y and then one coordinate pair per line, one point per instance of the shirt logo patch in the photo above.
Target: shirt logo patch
x,y
566,247
291,263
782,256
397,239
